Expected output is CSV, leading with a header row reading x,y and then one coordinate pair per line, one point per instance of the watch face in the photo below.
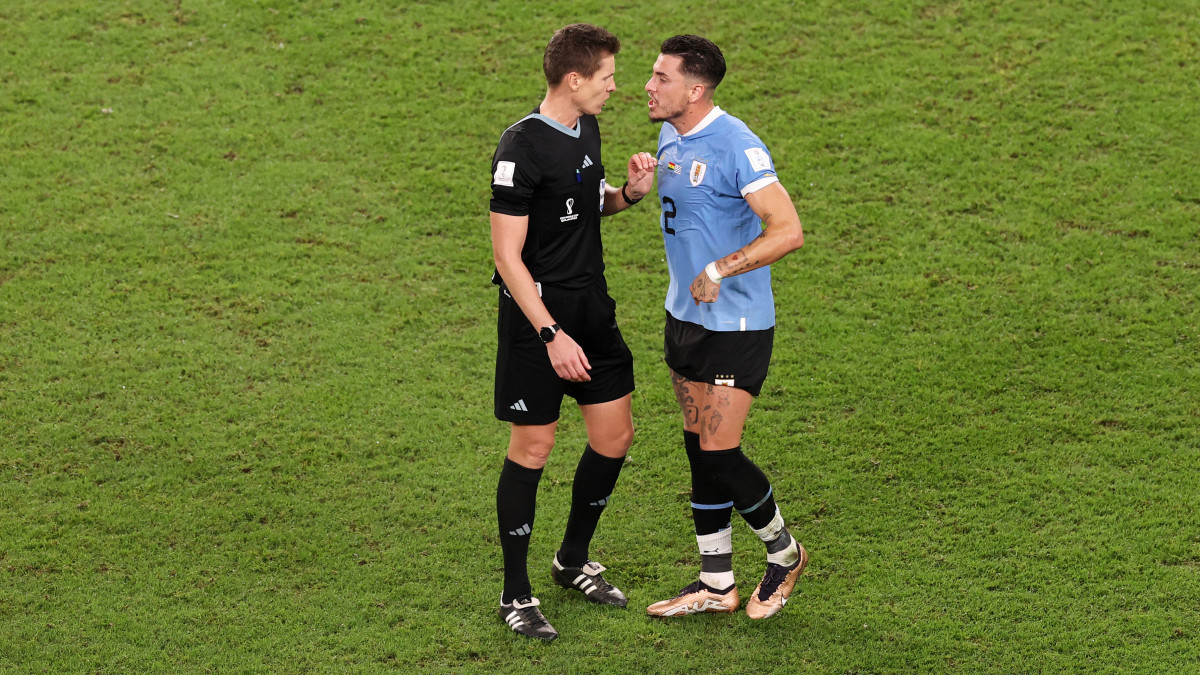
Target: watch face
x,y
547,333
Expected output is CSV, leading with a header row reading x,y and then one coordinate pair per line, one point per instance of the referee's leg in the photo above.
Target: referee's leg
x,y
610,433
530,444
610,426
529,447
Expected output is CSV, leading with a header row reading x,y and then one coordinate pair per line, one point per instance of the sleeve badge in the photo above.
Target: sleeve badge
x,y
759,159
504,173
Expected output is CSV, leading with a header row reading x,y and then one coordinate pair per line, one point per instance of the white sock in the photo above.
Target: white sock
x,y
716,558
773,528
788,556
717,580
781,548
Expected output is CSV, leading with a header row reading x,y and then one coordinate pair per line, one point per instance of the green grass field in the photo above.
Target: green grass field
x,y
247,335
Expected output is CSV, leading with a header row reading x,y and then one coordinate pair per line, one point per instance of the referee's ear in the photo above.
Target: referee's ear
x,y
571,81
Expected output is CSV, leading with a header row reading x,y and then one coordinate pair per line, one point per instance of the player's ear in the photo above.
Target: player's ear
x,y
697,92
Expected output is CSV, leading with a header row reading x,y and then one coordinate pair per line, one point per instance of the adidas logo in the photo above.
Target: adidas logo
x,y
519,405
602,502
514,620
521,531
587,161
585,584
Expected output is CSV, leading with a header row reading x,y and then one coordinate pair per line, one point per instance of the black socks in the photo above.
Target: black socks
x,y
595,478
752,496
516,502
711,511
711,504
516,499
744,482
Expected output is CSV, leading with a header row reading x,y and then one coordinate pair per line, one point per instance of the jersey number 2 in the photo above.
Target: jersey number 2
x,y
668,213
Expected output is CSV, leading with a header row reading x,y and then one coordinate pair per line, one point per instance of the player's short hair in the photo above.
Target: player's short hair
x,y
702,59
578,48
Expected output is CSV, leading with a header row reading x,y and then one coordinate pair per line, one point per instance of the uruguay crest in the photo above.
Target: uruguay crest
x,y
697,173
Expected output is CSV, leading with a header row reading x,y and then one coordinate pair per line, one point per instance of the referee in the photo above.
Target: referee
x,y
557,329
725,218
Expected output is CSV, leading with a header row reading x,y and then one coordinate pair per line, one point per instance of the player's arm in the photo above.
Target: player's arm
x,y
508,238
640,180
782,234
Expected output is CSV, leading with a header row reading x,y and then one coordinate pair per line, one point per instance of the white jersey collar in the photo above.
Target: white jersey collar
x,y
708,119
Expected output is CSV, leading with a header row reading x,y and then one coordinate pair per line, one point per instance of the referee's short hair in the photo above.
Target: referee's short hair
x,y
701,58
578,48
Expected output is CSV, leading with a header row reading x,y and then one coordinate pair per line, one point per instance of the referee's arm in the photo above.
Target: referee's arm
x,y
508,238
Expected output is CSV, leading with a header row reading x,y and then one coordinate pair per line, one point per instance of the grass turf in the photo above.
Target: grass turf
x,y
246,339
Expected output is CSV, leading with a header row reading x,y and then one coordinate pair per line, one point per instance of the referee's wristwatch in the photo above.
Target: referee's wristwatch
x,y
547,333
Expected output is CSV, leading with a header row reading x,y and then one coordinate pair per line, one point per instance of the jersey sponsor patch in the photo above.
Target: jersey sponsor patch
x,y
759,159
697,173
504,173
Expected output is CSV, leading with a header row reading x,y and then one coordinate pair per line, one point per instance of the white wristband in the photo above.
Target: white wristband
x,y
711,270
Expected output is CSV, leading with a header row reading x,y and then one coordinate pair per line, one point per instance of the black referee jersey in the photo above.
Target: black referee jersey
x,y
554,175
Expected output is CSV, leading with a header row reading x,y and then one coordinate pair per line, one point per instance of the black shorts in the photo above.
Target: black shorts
x,y
528,391
734,358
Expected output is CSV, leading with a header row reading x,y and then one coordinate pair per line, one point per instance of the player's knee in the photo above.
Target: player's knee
x,y
532,455
625,438
540,453
614,442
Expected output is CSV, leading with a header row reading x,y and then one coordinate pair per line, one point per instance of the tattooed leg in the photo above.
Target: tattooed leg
x,y
723,412
687,395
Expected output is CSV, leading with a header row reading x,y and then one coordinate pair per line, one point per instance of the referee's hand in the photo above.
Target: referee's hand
x,y
568,359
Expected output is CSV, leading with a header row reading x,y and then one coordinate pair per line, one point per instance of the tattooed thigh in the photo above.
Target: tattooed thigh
x,y
716,409
723,415
685,395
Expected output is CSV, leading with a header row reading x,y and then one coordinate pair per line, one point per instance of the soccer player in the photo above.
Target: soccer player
x,y
557,324
725,218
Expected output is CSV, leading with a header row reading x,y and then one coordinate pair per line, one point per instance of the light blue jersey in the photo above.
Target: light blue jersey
x,y
703,179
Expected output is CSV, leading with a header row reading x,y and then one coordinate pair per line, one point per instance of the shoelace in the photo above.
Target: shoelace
x,y
771,580
602,583
532,616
